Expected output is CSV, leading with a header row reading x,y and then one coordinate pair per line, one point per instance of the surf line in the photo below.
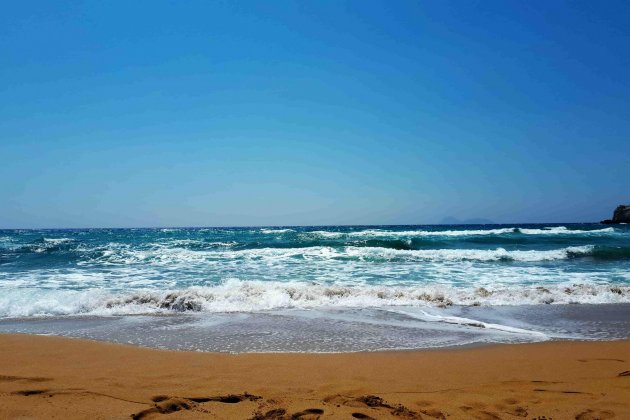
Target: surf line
x,y
469,322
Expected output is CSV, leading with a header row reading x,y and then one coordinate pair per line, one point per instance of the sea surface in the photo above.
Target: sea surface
x,y
319,289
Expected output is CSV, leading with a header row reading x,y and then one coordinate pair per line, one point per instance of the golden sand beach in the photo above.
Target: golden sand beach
x,y
52,377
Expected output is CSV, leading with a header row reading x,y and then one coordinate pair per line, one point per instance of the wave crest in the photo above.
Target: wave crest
x,y
275,231
379,233
252,296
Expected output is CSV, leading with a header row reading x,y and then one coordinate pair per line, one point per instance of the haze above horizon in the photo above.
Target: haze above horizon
x,y
312,113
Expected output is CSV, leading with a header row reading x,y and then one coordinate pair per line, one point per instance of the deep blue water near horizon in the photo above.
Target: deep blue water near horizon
x,y
316,288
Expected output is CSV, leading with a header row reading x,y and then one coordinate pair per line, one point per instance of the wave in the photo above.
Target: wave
x,y
483,255
7,243
377,232
166,255
611,253
275,231
424,316
47,245
400,244
559,230
563,230
400,249
57,241
195,244
254,296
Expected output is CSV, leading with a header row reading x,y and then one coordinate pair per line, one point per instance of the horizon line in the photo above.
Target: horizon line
x,y
302,226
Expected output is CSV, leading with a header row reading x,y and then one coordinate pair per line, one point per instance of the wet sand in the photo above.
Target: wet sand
x,y
52,377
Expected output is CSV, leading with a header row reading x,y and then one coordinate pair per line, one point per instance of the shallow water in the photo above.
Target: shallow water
x,y
342,330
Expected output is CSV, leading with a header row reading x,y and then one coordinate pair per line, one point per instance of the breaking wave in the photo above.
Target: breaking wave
x,y
275,231
559,230
163,255
375,250
139,271
253,296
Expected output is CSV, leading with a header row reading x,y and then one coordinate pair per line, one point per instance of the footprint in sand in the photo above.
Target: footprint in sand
x,y
167,405
428,410
308,414
28,392
595,415
479,414
517,411
436,414
362,416
9,378
275,414
561,391
226,399
375,402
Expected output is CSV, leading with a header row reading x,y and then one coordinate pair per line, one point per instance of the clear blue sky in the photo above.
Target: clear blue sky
x,y
201,113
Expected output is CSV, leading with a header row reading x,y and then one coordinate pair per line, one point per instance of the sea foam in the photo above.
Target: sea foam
x,y
252,296
117,254
123,271
381,233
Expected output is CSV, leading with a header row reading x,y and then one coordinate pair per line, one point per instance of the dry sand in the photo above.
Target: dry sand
x,y
50,377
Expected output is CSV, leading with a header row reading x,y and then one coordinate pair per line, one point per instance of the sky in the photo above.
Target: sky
x,y
243,113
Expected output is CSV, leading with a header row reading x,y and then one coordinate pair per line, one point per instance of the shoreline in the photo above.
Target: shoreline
x,y
342,331
48,376
455,347
447,348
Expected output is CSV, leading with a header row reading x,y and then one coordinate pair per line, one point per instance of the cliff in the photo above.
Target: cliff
x,y
621,215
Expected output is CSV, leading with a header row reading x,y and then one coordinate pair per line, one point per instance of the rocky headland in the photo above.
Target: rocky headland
x,y
621,215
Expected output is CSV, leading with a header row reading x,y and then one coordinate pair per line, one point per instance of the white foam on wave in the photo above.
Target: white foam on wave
x,y
563,230
8,243
252,296
199,243
384,233
381,233
50,243
275,231
163,255
58,241
448,319
325,234
498,254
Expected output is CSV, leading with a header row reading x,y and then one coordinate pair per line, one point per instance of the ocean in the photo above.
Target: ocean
x,y
319,289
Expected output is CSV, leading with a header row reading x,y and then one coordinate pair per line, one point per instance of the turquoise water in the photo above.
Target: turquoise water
x,y
223,270
318,288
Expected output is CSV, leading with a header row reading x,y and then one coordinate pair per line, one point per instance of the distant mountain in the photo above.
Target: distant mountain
x,y
476,221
